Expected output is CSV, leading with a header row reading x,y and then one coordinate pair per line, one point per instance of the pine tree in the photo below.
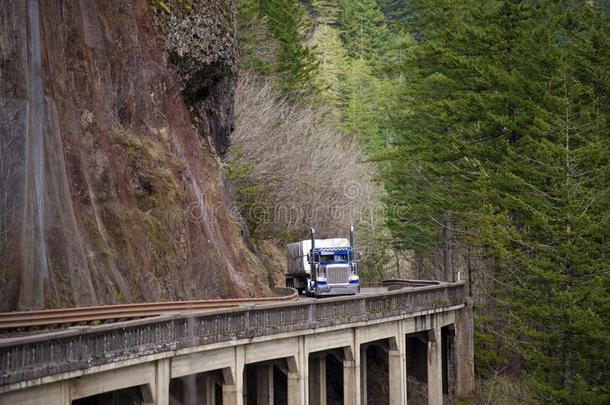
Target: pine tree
x,y
558,202
503,127
431,172
296,65
333,60
327,11
362,27
397,12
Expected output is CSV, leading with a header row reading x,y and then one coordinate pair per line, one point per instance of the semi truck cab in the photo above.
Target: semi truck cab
x,y
322,267
335,271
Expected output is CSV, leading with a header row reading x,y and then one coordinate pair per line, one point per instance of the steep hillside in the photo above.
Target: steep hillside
x,y
112,118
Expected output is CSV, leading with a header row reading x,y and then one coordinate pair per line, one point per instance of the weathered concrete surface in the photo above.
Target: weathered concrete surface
x,y
465,350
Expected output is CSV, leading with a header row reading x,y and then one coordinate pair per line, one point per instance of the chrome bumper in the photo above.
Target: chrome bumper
x,y
333,289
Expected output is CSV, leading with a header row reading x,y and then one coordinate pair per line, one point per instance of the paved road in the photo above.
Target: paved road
x,y
363,291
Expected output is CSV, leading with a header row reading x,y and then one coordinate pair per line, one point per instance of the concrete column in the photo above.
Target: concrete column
x,y
349,381
450,365
233,384
296,378
357,377
350,376
162,377
210,389
189,389
264,384
363,375
317,378
397,378
304,369
231,395
296,389
435,367
464,331
402,348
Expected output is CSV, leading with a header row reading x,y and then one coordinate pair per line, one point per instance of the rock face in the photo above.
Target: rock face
x,y
113,115
199,37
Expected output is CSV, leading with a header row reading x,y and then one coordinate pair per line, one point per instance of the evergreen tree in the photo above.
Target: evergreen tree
x,y
556,191
396,12
362,27
296,63
503,129
333,60
327,11
361,90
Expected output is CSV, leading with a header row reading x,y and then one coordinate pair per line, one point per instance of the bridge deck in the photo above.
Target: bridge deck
x,y
34,357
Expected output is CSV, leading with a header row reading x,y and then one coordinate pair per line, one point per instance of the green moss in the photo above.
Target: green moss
x,y
118,295
186,7
261,66
286,236
125,18
161,5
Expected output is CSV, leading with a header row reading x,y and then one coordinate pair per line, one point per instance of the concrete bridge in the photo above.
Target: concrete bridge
x,y
411,345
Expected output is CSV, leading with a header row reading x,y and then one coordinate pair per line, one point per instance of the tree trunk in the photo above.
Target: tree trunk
x,y
448,249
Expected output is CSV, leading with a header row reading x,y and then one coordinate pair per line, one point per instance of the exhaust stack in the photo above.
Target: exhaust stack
x,y
312,263
312,232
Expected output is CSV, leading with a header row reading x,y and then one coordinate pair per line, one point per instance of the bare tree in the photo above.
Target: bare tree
x,y
298,170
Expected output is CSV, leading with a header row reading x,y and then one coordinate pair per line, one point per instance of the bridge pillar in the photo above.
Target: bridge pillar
x,y
162,377
304,369
233,384
349,376
231,394
465,350
396,372
264,384
317,379
363,374
296,379
189,389
435,367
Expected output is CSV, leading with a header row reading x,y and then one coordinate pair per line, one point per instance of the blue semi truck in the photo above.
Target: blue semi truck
x,y
323,267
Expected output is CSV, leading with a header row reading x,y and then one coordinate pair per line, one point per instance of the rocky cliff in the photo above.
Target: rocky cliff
x,y
113,119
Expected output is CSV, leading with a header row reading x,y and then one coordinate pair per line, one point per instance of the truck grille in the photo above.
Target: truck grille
x,y
337,275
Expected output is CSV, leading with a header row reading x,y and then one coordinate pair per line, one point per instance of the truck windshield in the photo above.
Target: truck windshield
x,y
333,258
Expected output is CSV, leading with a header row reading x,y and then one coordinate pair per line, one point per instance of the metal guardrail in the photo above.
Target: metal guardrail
x,y
64,317
79,348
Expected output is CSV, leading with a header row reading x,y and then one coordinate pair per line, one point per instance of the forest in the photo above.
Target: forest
x,y
466,140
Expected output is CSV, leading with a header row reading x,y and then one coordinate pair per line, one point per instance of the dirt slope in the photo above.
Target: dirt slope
x,y
113,115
